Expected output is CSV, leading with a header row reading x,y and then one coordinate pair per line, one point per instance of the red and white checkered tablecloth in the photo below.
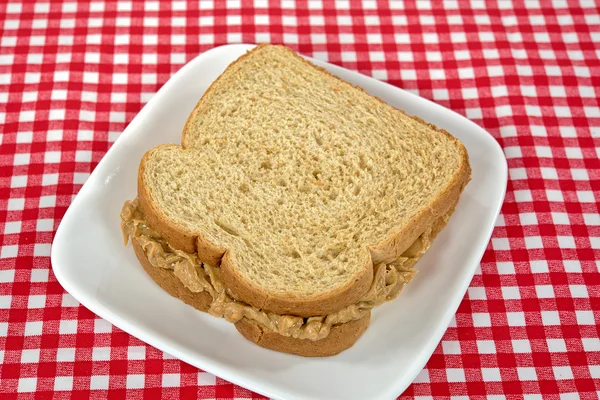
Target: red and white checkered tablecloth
x,y
73,74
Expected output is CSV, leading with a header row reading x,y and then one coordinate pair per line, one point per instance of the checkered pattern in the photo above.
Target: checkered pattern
x,y
72,75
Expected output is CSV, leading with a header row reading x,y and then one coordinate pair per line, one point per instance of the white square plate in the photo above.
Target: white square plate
x,y
90,262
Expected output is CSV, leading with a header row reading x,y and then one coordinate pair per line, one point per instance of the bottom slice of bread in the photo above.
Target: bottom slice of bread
x,y
339,339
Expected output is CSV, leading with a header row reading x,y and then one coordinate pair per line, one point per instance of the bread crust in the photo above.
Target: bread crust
x,y
386,251
339,339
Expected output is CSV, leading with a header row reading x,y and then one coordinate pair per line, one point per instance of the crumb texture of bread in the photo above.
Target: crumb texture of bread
x,y
297,175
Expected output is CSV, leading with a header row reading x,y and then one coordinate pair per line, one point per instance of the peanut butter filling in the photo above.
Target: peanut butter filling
x,y
388,281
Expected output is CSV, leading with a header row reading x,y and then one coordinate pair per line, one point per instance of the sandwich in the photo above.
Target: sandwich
x,y
295,204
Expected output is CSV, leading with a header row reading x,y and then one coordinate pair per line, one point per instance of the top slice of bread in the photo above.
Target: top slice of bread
x,y
297,183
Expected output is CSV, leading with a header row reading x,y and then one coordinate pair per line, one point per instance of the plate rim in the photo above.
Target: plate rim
x,y
215,367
